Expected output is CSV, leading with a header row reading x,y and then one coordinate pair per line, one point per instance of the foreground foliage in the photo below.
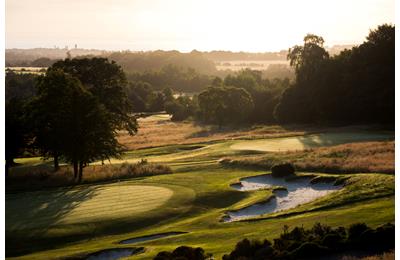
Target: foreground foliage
x,y
300,243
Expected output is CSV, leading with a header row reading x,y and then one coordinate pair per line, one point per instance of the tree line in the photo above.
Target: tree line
x,y
355,86
243,97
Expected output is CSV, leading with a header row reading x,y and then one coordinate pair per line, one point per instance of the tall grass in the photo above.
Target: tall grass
x,y
346,158
384,256
160,131
33,179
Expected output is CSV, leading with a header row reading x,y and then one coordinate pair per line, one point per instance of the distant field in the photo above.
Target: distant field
x,y
34,70
63,222
243,64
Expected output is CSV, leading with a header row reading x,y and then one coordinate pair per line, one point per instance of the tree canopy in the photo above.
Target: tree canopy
x,y
356,86
70,122
223,105
107,81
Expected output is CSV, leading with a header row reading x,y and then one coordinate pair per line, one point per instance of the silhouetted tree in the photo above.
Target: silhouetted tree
x,y
70,122
106,81
16,132
356,86
20,85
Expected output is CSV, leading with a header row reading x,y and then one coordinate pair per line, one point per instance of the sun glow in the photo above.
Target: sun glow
x,y
186,25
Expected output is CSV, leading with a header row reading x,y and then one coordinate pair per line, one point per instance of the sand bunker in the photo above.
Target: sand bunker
x,y
150,237
299,191
114,253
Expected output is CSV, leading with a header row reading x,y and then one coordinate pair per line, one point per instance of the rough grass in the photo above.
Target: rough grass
x,y
345,158
384,256
33,178
160,131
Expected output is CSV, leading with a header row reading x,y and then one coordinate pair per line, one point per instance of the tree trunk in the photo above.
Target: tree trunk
x,y
56,164
80,171
9,163
7,167
75,169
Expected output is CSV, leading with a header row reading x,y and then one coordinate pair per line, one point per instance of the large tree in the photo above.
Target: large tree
x,y
356,86
48,111
307,58
225,105
89,131
105,80
71,123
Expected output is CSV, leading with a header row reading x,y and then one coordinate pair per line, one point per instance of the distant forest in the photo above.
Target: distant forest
x,y
354,86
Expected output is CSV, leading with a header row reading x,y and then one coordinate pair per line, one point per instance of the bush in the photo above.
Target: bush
x,y
183,253
254,249
282,170
315,243
356,230
308,249
332,240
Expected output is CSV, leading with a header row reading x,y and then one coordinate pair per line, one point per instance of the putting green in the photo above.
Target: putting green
x,y
307,142
82,205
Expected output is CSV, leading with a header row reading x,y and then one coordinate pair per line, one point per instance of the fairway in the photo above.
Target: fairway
x,y
307,142
191,202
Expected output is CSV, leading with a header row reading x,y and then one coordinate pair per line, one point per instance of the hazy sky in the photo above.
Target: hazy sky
x,y
247,25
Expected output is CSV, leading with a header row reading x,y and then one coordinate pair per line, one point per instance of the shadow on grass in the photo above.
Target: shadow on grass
x,y
29,215
221,199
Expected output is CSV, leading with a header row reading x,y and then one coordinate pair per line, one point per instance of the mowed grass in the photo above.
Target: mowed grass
x,y
44,219
193,199
83,205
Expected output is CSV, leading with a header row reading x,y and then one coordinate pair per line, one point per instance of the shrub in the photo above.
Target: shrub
x,y
282,170
308,249
334,240
355,230
183,253
315,243
247,249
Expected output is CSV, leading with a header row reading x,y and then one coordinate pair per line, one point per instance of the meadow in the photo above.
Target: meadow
x,y
74,221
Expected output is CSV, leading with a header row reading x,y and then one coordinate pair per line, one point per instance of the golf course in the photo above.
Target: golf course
x,y
190,205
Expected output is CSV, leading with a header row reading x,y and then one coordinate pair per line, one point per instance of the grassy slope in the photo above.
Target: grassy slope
x,y
213,197
201,196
